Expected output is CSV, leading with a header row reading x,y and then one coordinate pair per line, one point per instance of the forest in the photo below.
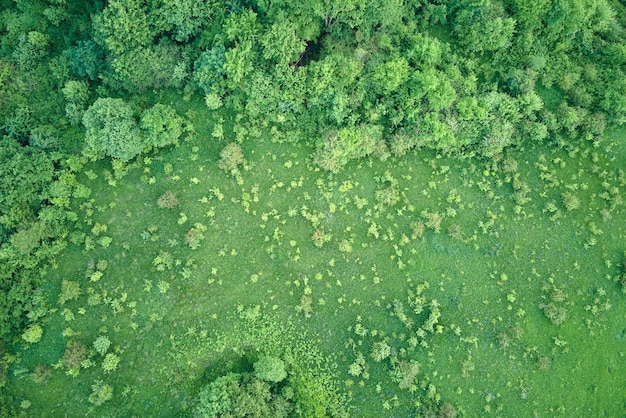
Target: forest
x,y
312,208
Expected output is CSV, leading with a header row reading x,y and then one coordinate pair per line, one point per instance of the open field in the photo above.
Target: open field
x,y
341,263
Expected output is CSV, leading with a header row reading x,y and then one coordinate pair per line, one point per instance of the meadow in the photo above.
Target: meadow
x,y
407,283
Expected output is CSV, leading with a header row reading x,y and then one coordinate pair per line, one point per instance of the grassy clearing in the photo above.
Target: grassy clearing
x,y
498,248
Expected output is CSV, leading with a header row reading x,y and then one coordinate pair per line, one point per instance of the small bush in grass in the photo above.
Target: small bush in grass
x,y
556,314
75,353
101,345
446,410
231,157
168,200
100,393
69,290
380,351
110,362
41,374
570,201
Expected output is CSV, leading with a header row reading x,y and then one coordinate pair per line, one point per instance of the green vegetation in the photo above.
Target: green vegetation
x,y
312,208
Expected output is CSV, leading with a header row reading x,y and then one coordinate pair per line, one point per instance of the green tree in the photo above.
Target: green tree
x,y
124,25
242,395
141,68
389,76
185,18
281,44
209,69
33,334
239,62
33,46
25,175
160,126
86,59
243,27
76,95
111,130
339,147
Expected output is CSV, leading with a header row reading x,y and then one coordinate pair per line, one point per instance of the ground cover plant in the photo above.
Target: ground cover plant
x,y
312,209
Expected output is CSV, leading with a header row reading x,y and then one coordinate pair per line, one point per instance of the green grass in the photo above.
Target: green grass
x,y
490,279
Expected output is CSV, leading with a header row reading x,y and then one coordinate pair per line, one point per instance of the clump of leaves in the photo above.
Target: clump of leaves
x,y
417,229
100,393
110,362
570,201
455,232
503,340
231,157
163,261
544,362
509,165
102,265
622,277
388,196
306,306
168,200
432,220
467,366
32,334
556,314
270,369
345,246
101,344
320,237
446,410
195,235
405,373
69,290
41,374
358,368
74,355
380,351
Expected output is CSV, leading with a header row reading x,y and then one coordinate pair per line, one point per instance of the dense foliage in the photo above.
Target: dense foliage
x,y
114,83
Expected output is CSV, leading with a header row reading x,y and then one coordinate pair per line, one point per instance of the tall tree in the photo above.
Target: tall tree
x,y
111,130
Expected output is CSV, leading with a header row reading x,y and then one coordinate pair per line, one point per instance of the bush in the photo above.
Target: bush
x,y
74,355
570,201
101,345
110,362
556,314
380,351
33,334
231,157
41,374
339,147
69,290
168,200
270,369
100,393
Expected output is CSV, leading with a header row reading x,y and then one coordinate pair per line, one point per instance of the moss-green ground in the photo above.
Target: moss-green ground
x,y
490,278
